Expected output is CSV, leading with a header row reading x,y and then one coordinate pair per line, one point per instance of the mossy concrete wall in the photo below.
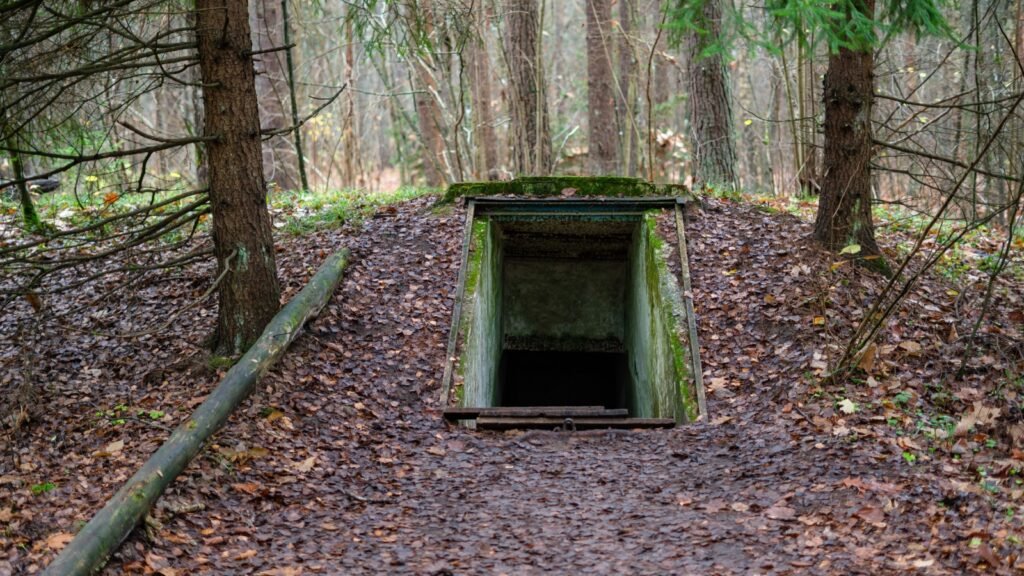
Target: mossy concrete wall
x,y
657,352
569,305
562,304
481,324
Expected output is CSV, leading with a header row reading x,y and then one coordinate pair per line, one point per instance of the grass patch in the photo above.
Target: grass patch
x,y
299,212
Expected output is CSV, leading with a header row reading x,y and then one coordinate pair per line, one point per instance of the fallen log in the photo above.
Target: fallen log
x,y
94,544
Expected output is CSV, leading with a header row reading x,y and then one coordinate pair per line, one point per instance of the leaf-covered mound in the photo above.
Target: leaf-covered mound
x,y
342,463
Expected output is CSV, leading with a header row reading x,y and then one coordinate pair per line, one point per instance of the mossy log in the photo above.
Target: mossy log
x,y
94,544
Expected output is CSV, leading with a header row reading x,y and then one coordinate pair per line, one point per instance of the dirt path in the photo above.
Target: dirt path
x,y
342,463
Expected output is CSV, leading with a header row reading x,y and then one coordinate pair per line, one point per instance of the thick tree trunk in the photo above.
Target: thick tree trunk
x,y
603,154
529,130
844,207
487,141
111,525
271,91
249,293
714,149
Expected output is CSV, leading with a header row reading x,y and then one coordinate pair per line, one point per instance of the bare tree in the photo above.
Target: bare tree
x,y
271,91
480,78
710,106
529,131
603,155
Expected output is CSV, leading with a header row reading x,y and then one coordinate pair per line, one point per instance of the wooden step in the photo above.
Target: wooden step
x,y
491,423
535,412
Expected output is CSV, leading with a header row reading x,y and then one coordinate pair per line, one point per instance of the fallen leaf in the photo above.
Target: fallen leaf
x,y
779,512
912,348
437,451
59,540
867,359
871,515
250,488
306,465
978,415
847,406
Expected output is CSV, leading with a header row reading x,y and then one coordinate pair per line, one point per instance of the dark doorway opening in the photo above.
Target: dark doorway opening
x,y
564,379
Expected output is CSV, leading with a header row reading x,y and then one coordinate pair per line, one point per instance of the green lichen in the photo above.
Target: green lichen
x,y
242,263
576,186
659,278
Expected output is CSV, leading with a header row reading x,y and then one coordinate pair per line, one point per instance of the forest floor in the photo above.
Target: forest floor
x,y
341,462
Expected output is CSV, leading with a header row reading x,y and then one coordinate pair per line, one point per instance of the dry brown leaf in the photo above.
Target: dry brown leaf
x,y
867,359
871,515
912,348
250,488
779,512
247,554
59,540
978,415
306,465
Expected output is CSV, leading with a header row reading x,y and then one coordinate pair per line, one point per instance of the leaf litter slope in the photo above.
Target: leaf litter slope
x,y
341,463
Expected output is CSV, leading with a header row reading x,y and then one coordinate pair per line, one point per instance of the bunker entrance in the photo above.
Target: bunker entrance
x,y
569,316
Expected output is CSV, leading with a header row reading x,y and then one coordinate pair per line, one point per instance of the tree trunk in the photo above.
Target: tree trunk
x,y
487,141
249,294
293,99
844,207
111,525
529,131
714,150
271,91
603,153
626,102
427,108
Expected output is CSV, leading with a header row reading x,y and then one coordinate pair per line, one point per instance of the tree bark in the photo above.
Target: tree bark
x,y
249,294
844,206
603,153
710,107
529,130
427,108
111,525
626,101
487,141
293,99
271,88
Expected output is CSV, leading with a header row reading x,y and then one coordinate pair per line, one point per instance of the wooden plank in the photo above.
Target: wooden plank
x,y
487,423
691,320
555,412
468,413
453,335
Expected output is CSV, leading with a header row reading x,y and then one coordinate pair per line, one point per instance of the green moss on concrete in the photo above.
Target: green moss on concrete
x,y
481,322
639,306
578,186
659,358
